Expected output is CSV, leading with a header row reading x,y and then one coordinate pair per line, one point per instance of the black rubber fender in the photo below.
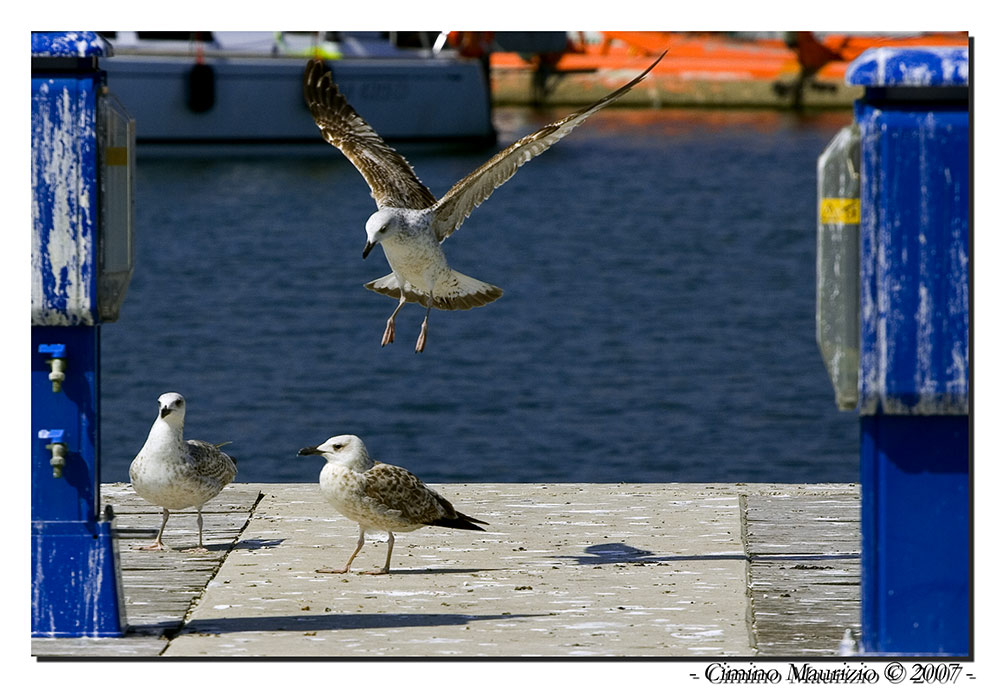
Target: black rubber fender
x,y
201,88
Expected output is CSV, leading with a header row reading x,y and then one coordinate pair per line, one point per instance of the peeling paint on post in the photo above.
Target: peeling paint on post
x,y
63,279
914,349
76,589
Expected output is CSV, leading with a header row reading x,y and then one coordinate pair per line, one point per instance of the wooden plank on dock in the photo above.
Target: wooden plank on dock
x,y
804,569
160,587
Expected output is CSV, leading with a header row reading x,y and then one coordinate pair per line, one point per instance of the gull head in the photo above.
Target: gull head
x,y
172,408
339,447
381,225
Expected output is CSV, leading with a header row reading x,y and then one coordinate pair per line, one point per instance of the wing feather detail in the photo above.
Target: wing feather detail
x,y
396,489
391,178
465,196
211,463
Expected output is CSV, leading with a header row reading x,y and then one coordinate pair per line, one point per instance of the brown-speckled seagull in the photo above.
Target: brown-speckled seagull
x,y
379,496
410,223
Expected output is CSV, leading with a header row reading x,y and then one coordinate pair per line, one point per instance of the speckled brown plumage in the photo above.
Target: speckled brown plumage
x,y
380,496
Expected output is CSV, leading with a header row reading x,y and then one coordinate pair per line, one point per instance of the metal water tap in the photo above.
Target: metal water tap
x,y
57,363
58,449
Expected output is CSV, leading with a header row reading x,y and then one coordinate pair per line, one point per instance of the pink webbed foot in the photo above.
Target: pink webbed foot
x,y
422,339
155,547
390,333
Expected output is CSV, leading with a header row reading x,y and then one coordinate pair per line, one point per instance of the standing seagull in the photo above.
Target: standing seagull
x,y
409,223
379,496
175,474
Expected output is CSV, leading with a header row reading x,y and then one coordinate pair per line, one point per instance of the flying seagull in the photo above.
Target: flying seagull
x,y
175,474
410,223
379,496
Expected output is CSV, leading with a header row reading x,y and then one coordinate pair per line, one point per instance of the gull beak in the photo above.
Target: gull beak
x,y
164,412
368,249
305,451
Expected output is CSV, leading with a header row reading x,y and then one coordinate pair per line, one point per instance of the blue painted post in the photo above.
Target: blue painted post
x,y
81,260
913,386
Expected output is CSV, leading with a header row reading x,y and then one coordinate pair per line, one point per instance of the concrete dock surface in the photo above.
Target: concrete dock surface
x,y
564,570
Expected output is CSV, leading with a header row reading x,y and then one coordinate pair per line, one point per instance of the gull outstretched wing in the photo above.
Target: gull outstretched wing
x,y
391,178
470,192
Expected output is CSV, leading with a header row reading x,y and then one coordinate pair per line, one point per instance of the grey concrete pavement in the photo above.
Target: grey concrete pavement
x,y
596,569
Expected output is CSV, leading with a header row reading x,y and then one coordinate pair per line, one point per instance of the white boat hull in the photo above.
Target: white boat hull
x,y
259,99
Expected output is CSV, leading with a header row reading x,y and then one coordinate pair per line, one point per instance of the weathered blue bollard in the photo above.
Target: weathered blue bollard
x,y
81,262
910,294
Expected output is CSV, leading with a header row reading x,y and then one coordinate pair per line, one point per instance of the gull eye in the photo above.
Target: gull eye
x,y
384,227
338,447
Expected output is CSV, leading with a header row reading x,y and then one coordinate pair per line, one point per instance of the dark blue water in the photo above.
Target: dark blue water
x,y
657,322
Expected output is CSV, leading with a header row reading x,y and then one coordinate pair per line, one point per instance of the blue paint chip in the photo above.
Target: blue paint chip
x,y
54,350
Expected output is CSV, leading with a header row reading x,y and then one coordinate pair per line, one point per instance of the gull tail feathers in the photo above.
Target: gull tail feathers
x,y
462,522
460,292
389,286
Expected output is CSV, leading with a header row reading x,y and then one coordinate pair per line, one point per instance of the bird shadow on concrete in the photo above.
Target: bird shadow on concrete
x,y
258,543
334,622
620,553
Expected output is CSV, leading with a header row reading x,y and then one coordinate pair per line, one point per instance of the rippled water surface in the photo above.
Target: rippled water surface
x,y
657,322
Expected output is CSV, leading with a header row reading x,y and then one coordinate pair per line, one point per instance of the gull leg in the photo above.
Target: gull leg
x,y
388,556
390,324
422,339
347,566
200,549
158,542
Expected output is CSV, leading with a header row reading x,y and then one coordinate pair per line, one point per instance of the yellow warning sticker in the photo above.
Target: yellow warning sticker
x,y
115,156
840,211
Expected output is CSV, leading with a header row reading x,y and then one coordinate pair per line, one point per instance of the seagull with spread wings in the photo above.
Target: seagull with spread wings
x,y
410,223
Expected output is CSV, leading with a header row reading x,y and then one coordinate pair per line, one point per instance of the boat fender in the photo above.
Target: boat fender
x,y
471,43
201,88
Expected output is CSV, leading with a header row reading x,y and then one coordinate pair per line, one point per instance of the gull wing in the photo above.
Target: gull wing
x,y
395,489
391,178
466,195
210,462
399,493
